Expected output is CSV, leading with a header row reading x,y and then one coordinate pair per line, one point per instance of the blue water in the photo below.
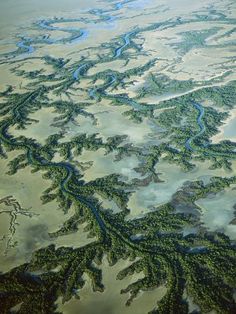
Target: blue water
x,y
198,249
70,171
92,92
119,50
45,25
119,5
113,79
103,15
28,48
202,130
77,35
76,73
84,35
130,102
139,4
200,124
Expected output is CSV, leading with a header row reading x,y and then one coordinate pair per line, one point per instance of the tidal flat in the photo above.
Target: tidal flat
x,y
33,228
117,156
41,126
228,130
112,301
103,164
111,121
218,212
172,179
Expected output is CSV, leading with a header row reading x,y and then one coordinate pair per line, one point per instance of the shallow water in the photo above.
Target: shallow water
x,y
230,130
106,22
111,122
158,193
111,301
218,211
14,13
39,130
104,165
31,232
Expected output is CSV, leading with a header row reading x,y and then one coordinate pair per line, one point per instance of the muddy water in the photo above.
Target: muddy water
x,y
15,13
111,121
218,212
103,165
111,301
158,193
228,130
39,130
31,231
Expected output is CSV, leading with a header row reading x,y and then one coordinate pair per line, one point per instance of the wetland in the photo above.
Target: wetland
x,y
117,157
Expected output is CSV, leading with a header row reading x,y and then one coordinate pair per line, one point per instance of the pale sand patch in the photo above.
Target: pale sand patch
x,y
116,65
156,99
191,305
36,65
110,122
12,16
103,165
155,194
9,78
31,232
111,301
40,130
5,47
26,188
76,239
221,135
217,211
108,204
67,25
193,66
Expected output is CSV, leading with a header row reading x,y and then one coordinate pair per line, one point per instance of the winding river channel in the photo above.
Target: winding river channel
x,y
76,34
34,159
200,123
126,39
202,129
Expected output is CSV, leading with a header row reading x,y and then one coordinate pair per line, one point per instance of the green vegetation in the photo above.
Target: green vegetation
x,y
194,39
203,263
